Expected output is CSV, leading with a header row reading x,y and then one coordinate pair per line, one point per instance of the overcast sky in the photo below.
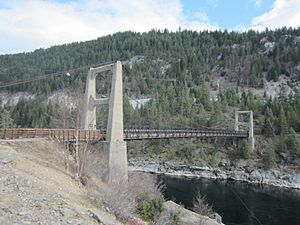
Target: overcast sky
x,y
26,25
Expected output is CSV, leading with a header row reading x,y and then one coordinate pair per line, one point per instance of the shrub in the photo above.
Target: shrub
x,y
245,149
149,209
213,158
201,206
175,218
292,142
280,145
270,158
122,197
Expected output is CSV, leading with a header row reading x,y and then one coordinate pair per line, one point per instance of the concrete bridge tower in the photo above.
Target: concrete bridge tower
x,y
250,125
115,146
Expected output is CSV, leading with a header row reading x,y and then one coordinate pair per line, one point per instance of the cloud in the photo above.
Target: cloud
x,y
213,3
29,24
256,3
200,15
283,13
199,20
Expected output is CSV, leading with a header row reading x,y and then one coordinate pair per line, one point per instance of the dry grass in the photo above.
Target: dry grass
x,y
145,183
119,197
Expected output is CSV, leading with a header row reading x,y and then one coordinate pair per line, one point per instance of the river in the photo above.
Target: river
x,y
270,205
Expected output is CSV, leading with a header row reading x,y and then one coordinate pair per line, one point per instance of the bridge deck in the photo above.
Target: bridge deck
x,y
61,134
140,134
129,134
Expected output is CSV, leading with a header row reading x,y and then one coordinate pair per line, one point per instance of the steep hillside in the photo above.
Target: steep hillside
x,y
35,188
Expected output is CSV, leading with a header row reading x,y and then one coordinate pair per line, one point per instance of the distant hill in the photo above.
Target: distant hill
x,y
157,57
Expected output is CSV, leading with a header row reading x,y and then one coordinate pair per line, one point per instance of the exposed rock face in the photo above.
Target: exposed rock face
x,y
188,217
288,179
269,46
297,40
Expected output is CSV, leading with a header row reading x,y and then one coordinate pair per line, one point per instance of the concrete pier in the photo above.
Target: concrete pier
x,y
115,144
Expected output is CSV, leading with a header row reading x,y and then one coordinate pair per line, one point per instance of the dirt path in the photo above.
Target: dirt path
x,y
36,189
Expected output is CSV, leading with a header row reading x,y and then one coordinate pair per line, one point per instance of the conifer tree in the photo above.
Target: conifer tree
x,y
292,142
5,120
282,125
268,124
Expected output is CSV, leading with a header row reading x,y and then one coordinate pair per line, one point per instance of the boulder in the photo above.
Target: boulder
x,y
255,176
217,217
7,154
241,163
188,217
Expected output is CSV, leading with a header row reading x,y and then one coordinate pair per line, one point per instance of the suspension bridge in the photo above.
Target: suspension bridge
x,y
115,136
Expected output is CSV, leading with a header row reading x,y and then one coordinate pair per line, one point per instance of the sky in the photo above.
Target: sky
x,y
26,25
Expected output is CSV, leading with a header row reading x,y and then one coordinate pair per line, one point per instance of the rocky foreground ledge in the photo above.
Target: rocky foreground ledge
x,y
275,177
187,216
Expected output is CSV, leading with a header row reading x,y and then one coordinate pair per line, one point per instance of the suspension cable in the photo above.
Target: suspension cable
x,y
46,76
244,204
37,78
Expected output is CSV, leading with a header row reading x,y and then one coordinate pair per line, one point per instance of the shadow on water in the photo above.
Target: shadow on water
x,y
271,205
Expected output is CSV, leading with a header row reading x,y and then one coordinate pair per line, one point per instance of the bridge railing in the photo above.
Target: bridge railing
x,y
136,134
129,134
61,134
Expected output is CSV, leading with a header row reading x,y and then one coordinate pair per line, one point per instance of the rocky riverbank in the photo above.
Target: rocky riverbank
x,y
276,177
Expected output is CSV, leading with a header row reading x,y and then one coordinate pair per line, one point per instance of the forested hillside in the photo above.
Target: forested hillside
x,y
188,57
194,79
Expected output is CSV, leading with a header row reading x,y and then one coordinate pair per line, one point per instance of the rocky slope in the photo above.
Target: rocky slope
x,y
35,188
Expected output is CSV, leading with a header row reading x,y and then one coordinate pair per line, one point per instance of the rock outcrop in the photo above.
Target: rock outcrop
x,y
186,217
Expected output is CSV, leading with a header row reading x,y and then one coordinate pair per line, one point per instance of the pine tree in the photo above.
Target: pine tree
x,y
203,95
5,120
128,111
282,125
270,157
268,124
292,142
